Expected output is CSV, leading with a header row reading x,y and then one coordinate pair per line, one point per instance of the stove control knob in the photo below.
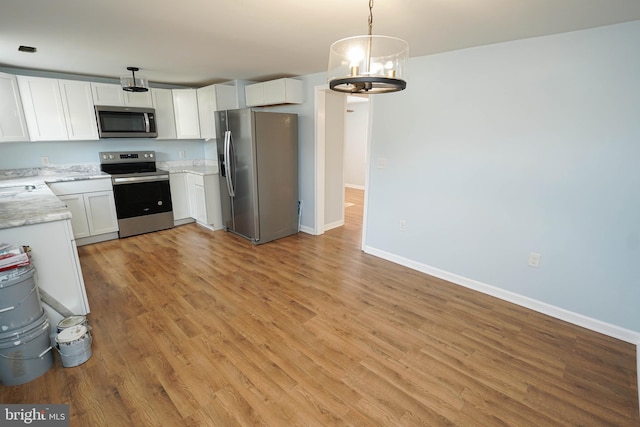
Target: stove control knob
x,y
104,157
150,154
111,156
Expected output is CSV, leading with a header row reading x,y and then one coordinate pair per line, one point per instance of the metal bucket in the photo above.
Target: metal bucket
x,y
71,321
20,300
25,353
74,346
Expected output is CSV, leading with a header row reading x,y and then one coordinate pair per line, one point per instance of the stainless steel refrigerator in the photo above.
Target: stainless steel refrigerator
x,y
258,160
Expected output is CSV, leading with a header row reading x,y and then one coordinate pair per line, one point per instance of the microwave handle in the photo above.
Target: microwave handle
x,y
147,124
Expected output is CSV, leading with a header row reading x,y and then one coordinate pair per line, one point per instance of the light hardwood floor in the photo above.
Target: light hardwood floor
x,y
200,328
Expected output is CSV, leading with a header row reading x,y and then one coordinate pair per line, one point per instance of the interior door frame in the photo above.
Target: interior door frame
x,y
320,160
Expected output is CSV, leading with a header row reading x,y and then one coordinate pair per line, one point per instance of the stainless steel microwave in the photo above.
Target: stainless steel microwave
x,y
126,122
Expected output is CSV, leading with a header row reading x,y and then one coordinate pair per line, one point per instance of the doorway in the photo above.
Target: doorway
x,y
355,158
331,119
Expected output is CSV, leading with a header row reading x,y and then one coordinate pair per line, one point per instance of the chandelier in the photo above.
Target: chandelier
x,y
368,64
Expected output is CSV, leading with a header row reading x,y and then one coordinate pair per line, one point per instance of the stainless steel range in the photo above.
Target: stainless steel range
x,y
142,192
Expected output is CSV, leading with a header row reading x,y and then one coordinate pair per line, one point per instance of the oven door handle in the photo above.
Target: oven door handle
x,y
134,179
228,161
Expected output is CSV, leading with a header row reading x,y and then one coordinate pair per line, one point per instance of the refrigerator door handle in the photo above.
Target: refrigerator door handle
x,y
228,162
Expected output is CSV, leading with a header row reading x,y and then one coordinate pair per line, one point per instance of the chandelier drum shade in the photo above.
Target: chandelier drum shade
x,y
133,83
368,64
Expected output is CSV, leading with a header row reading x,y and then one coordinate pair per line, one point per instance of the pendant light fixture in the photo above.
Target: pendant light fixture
x,y
368,64
133,83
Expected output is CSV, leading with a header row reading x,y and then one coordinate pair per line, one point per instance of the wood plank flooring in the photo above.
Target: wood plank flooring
x,y
200,328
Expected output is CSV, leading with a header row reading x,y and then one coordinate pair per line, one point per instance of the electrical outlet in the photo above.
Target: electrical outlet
x,y
44,160
403,225
181,153
534,259
381,163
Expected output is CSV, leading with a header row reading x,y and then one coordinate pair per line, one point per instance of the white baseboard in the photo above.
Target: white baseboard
x,y
96,239
178,222
614,331
308,230
333,225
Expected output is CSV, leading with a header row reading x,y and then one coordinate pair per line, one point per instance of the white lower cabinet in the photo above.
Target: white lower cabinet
x,y
55,257
196,196
92,207
79,221
179,197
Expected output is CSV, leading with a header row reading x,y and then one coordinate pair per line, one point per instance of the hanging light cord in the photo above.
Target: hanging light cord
x,y
370,16
367,64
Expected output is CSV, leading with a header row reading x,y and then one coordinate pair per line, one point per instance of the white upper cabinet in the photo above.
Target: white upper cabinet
x,y
107,94
137,99
254,94
113,94
165,117
58,110
43,109
274,92
77,104
185,107
13,126
211,99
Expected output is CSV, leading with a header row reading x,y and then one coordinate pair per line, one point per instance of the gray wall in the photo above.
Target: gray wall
x,y
529,146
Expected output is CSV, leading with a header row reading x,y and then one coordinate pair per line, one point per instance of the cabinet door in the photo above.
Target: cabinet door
x,y
185,107
179,196
13,126
211,99
207,105
274,92
213,203
226,97
200,204
192,180
254,94
43,108
101,212
165,117
79,223
77,104
107,94
137,99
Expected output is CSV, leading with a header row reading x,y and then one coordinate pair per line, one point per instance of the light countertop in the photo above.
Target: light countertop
x,y
206,167
25,197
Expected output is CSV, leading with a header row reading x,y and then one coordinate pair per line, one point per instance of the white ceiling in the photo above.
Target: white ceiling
x,y
197,42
